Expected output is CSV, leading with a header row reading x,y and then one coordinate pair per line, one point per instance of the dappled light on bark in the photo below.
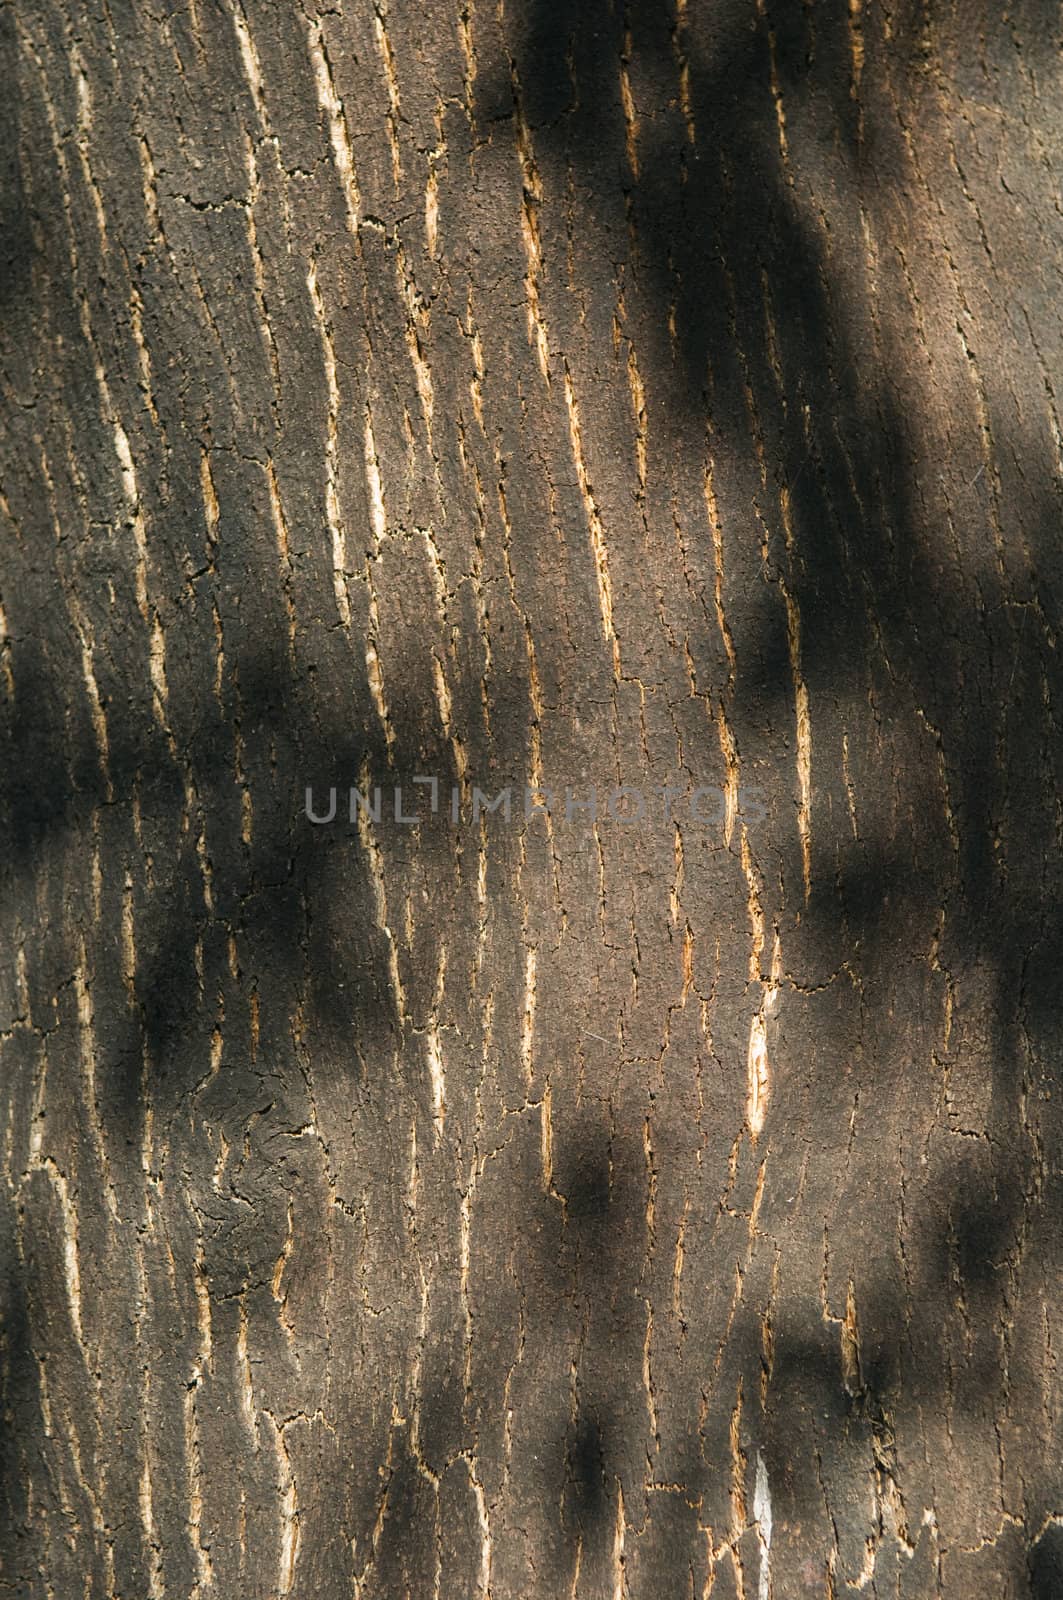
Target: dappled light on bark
x,y
575,400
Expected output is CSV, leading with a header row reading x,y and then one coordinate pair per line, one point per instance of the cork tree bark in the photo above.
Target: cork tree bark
x,y
636,1195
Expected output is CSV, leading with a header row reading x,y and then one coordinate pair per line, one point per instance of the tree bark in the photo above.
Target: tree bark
x,y
543,395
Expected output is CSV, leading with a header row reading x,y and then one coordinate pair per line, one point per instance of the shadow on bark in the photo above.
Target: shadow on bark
x,y
957,871
959,866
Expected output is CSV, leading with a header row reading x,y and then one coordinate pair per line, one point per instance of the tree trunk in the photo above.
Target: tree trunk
x,y
649,1195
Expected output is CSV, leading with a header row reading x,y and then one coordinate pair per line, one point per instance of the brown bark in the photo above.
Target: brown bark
x,y
532,394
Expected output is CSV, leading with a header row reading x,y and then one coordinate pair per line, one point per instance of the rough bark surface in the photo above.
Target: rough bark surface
x,y
544,393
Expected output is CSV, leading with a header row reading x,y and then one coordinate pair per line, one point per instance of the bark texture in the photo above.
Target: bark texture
x,y
541,392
